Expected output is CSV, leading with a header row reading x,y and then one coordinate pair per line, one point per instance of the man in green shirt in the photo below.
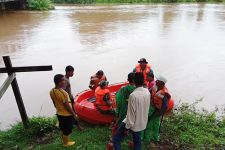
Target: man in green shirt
x,y
122,99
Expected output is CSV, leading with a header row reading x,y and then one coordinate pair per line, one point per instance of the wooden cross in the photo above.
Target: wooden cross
x,y
12,80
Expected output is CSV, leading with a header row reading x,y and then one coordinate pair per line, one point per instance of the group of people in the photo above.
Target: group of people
x,y
140,104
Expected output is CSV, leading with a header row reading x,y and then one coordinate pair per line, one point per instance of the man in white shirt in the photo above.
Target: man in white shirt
x,y
137,114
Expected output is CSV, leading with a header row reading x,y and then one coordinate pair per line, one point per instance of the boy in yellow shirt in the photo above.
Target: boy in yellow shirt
x,y
64,111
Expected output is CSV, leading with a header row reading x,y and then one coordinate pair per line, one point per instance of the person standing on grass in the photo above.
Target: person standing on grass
x,y
64,111
137,114
69,73
122,97
159,105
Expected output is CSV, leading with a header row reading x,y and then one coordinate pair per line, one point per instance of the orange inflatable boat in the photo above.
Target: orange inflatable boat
x,y
86,110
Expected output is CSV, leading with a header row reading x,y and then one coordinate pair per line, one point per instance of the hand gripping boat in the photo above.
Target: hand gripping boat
x,y
86,110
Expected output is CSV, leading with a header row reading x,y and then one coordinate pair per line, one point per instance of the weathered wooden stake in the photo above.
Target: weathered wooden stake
x,y
15,87
12,80
6,84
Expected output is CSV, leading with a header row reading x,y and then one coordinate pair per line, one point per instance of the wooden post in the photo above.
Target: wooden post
x,y
16,91
6,84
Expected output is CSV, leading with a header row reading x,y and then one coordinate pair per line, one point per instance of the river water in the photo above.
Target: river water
x,y
184,42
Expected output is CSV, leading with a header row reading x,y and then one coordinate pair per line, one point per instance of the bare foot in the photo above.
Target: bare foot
x,y
80,128
153,145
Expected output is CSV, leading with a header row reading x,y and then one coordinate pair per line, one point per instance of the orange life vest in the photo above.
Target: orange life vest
x,y
145,72
95,81
99,94
157,97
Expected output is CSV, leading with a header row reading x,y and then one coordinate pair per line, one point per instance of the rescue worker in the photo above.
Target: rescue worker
x,y
96,79
144,68
103,99
151,81
159,104
122,97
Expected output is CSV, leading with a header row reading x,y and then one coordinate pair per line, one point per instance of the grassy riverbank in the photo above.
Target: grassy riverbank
x,y
185,128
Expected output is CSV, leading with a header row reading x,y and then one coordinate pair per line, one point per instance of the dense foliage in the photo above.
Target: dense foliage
x,y
189,128
18,137
40,4
185,128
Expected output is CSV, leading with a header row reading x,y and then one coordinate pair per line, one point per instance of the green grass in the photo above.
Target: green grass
x,y
186,128
40,5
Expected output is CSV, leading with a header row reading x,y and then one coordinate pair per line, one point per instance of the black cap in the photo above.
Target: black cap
x,y
142,60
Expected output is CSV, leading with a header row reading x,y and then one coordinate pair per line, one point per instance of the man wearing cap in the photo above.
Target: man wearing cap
x,y
103,99
159,104
96,79
144,68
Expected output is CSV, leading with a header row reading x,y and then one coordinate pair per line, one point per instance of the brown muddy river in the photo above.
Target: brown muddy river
x,y
184,42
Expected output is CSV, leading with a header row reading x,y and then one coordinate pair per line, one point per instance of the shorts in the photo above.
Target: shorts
x,y
66,124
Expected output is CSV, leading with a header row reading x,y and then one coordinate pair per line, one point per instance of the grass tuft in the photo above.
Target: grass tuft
x,y
39,130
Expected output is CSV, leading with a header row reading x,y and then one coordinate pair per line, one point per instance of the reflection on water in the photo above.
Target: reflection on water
x,y
15,28
95,24
200,12
184,42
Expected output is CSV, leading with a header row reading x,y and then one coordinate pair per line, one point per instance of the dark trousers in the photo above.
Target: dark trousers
x,y
119,136
66,124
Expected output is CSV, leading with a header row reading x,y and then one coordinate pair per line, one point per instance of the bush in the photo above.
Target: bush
x,y
189,128
40,4
38,127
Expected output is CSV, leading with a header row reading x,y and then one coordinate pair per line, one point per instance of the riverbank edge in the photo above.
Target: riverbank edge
x,y
133,3
185,128
44,5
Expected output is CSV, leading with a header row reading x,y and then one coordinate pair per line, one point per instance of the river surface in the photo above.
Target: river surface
x,y
183,42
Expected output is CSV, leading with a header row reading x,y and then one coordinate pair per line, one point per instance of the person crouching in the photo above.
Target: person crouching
x,y
103,99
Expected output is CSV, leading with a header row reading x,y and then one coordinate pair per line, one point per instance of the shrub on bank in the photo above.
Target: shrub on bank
x,y
19,137
189,128
40,4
